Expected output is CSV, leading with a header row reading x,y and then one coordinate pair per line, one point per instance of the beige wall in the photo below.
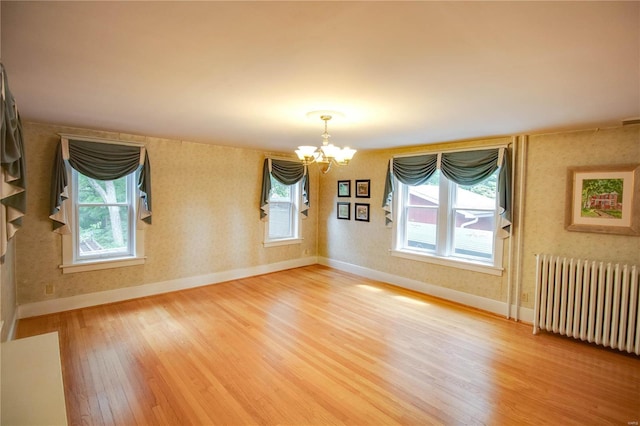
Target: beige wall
x,y
8,289
205,217
548,158
367,244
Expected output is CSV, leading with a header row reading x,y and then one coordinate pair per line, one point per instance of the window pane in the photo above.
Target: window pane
x,y
279,191
280,214
422,221
473,234
93,191
281,211
479,196
421,227
103,230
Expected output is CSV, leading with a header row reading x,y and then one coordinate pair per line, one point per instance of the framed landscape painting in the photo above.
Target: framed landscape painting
x,y
604,199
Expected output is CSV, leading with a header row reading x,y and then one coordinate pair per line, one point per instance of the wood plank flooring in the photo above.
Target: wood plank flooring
x,y
313,346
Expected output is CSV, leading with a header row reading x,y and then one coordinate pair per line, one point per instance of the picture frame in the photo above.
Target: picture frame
x,y
344,188
362,188
361,212
604,199
344,211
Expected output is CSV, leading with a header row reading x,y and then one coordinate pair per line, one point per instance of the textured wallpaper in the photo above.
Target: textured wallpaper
x,y
367,244
549,156
548,160
205,217
8,289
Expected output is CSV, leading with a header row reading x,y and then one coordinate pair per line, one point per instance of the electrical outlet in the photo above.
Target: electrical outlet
x,y
525,297
48,289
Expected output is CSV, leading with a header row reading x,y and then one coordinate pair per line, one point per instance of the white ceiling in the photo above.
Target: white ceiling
x,y
246,73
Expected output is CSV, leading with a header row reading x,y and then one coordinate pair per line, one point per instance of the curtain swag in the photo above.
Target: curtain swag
x,y
102,161
462,167
13,194
287,173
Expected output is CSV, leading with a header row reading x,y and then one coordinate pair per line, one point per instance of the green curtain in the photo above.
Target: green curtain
x,y
463,168
287,173
13,195
469,167
103,161
413,170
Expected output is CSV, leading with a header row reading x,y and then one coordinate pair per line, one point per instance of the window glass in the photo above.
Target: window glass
x,y
104,213
283,219
422,214
443,219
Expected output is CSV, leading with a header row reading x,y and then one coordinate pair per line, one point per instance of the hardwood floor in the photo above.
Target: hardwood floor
x,y
317,346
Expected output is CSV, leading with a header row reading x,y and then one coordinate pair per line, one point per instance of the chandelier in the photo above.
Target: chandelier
x,y
328,154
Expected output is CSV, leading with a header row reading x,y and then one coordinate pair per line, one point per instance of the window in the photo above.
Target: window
x,y
283,224
449,223
103,231
104,212
100,200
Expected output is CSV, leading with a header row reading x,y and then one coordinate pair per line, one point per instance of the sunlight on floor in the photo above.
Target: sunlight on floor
x,y
411,300
370,288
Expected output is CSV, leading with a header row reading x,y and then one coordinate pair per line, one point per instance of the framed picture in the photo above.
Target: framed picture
x,y
344,211
362,212
362,188
604,199
344,188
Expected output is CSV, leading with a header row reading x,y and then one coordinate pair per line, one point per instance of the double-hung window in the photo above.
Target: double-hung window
x,y
104,217
441,221
283,224
101,194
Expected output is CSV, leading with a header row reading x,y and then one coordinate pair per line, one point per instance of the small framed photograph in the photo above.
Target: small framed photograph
x,y
604,199
344,211
344,188
362,188
362,212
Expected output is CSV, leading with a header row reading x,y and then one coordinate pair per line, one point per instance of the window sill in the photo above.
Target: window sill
x,y
95,265
283,242
452,262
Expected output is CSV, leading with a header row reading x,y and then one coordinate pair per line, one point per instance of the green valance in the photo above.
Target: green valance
x,y
462,167
13,194
102,161
287,173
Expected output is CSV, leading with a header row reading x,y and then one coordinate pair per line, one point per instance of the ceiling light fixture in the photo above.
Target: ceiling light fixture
x,y
328,154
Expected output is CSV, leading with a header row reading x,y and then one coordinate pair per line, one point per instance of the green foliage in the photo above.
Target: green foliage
x,y
486,188
105,225
280,190
601,186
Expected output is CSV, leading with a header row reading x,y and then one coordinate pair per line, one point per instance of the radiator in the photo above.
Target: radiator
x,y
589,300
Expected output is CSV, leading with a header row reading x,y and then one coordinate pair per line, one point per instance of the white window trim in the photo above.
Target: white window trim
x,y
72,265
444,240
297,239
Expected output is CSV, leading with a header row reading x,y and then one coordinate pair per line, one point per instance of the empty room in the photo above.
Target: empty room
x,y
320,213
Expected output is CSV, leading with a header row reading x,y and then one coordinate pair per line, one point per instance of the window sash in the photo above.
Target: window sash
x,y
129,249
446,242
291,205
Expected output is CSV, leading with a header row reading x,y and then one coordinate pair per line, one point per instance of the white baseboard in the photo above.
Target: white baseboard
x,y
478,302
128,293
110,296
